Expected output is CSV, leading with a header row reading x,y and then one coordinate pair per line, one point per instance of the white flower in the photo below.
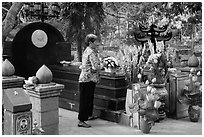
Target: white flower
x,y
147,82
136,87
185,87
154,90
151,68
194,78
198,74
155,61
192,70
149,88
200,88
139,76
154,80
157,104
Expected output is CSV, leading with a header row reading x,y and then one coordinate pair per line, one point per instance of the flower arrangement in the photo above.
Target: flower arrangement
x,y
110,63
31,82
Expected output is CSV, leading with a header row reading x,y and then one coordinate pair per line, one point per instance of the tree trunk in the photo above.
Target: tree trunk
x,y
79,47
10,19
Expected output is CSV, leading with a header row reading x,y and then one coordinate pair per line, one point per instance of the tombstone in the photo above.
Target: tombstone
x,y
18,117
37,44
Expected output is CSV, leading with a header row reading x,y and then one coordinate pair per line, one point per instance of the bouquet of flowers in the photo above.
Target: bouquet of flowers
x,y
110,63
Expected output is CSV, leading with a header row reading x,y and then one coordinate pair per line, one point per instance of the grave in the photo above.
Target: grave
x,y
35,45
38,44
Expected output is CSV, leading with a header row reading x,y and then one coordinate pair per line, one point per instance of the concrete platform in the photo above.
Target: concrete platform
x,y
68,126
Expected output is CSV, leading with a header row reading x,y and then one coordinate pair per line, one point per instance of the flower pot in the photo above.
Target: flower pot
x,y
193,61
152,114
145,126
194,113
44,75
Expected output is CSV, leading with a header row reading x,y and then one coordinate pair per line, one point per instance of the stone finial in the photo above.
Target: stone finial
x,y
44,75
7,68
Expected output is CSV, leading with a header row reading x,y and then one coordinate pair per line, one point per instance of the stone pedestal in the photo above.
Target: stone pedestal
x,y
45,101
12,81
177,109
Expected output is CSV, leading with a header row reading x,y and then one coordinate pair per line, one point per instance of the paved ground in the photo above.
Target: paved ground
x,y
68,126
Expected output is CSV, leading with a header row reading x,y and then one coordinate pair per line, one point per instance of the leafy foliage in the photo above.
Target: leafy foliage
x,y
116,20
83,18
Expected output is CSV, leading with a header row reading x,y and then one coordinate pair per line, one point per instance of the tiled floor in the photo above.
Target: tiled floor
x,y
68,126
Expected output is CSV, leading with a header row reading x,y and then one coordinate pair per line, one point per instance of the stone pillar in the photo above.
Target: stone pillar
x,y
7,83
45,101
17,117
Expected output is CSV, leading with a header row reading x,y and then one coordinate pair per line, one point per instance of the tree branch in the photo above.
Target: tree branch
x,y
10,19
5,9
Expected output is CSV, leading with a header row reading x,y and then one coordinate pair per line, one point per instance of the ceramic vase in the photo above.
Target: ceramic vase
x,y
194,113
145,126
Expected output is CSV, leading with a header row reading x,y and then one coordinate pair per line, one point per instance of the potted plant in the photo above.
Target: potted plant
x,y
157,65
191,95
147,104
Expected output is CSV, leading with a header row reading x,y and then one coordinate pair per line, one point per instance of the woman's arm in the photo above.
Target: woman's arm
x,y
95,63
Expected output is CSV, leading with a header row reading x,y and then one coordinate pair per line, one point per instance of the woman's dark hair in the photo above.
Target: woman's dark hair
x,y
90,38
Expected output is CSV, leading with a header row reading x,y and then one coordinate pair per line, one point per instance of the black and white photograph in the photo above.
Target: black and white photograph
x,y
101,67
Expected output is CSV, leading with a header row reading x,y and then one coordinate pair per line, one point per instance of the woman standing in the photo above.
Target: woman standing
x,y
88,78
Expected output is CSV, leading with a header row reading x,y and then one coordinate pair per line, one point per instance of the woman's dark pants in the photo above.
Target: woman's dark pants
x,y
86,90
